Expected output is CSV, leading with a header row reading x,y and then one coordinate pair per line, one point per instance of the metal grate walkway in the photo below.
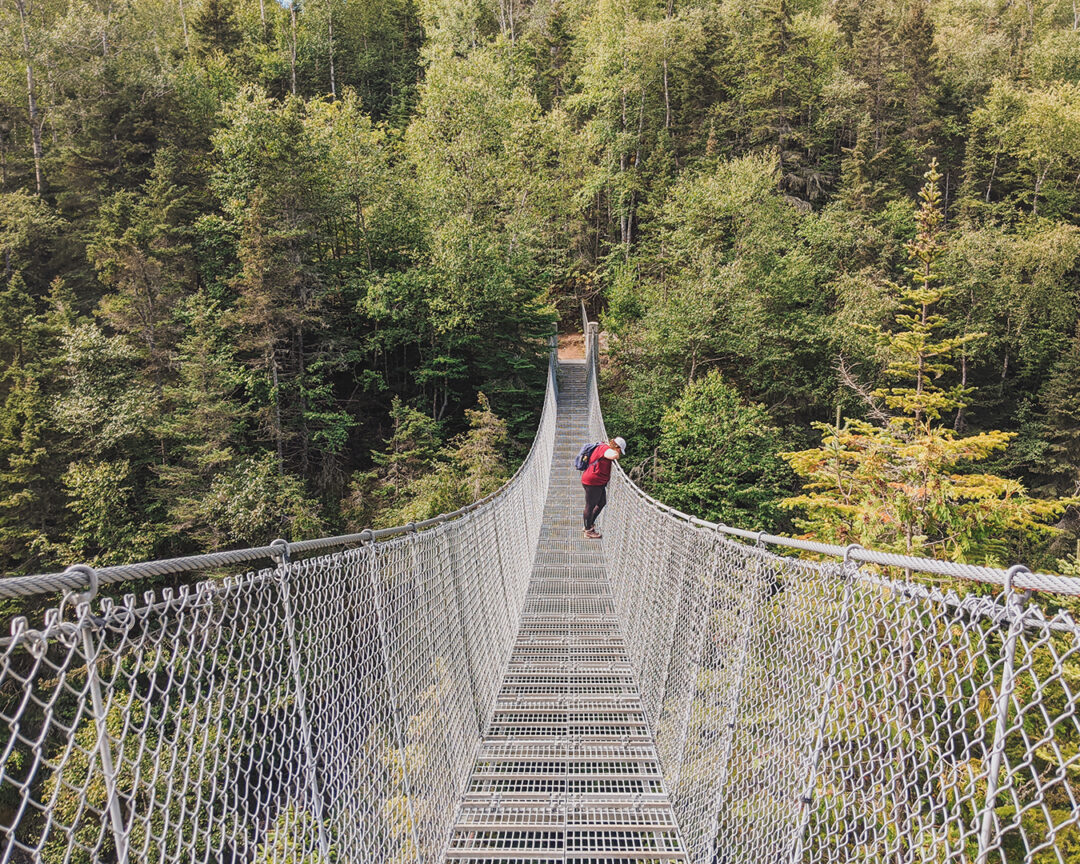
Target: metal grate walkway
x,y
567,771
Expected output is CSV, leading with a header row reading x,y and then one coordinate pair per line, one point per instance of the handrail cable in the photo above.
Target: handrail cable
x,y
1024,580
72,578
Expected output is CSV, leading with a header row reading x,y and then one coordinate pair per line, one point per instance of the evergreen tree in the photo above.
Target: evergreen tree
x,y
216,28
29,451
272,185
717,457
906,485
471,466
202,423
410,453
861,188
1061,401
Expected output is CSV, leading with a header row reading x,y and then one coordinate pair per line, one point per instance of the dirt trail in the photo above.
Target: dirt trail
x,y
571,346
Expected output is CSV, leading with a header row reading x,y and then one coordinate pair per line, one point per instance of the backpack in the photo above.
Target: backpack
x,y
581,461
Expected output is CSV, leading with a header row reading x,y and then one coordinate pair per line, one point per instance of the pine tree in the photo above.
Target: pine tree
x,y
860,185
919,85
202,422
31,455
141,251
272,183
471,466
919,352
906,485
216,28
410,453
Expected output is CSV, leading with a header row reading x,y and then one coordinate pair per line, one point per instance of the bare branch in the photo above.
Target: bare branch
x,y
849,379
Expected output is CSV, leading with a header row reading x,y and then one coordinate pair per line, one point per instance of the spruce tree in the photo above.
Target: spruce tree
x,y
216,28
202,423
31,447
907,485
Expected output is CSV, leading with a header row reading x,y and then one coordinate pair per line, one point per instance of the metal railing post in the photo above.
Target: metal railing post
x,y
283,570
807,797
395,702
120,831
735,692
1001,709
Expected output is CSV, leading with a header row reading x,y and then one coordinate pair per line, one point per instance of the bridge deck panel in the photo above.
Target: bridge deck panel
x,y
567,771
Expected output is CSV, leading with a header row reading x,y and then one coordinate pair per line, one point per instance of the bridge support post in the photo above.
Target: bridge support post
x,y
395,701
1015,605
807,798
108,768
301,700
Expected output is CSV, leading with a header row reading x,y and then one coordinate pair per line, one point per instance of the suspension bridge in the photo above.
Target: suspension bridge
x,y
489,686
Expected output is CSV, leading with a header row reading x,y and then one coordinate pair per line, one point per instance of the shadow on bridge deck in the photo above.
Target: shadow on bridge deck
x,y
567,771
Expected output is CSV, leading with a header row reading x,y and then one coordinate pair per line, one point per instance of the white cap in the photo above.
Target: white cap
x,y
621,444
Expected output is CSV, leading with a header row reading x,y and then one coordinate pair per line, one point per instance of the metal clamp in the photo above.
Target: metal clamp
x,y
1011,595
281,556
849,550
78,598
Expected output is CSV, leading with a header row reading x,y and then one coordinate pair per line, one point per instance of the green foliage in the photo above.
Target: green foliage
x,y
203,423
216,28
472,466
1061,401
107,527
273,222
717,457
906,485
253,500
916,351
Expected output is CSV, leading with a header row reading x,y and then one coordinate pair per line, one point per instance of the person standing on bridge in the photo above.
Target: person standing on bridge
x,y
595,478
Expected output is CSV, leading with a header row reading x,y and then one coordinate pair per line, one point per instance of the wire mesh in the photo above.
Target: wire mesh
x,y
567,769
349,707
816,712
327,709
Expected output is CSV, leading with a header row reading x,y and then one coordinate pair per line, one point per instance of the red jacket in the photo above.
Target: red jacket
x,y
599,471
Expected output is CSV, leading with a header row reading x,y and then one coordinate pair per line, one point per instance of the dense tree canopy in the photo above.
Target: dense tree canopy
x,y
259,260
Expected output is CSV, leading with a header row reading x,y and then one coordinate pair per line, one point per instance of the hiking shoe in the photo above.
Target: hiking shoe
x,y
593,534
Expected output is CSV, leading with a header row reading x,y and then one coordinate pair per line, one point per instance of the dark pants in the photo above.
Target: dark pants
x,y
595,499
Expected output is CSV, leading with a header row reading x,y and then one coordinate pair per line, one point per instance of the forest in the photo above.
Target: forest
x,y
286,269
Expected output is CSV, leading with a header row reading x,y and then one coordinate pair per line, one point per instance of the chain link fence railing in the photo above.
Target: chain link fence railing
x,y
820,711
320,710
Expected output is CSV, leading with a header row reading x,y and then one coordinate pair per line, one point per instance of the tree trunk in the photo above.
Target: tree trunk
x,y
183,24
330,26
1038,188
990,182
278,438
305,450
667,96
31,96
292,47
958,424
